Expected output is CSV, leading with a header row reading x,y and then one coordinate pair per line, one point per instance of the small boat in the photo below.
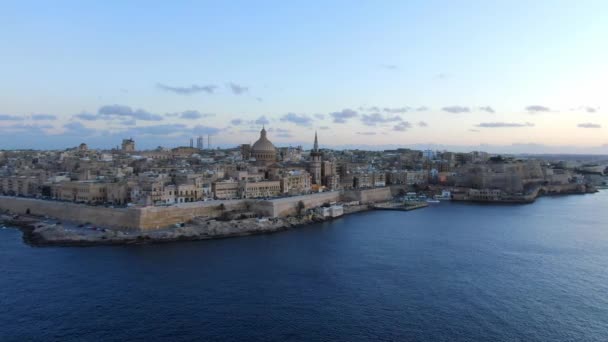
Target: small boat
x,y
432,200
445,196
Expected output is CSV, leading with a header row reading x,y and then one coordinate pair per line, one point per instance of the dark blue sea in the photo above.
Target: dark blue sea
x,y
450,272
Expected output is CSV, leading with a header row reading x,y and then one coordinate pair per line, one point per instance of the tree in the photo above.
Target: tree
x,y
301,207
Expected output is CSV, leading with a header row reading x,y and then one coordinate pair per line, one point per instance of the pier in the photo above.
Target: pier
x,y
400,206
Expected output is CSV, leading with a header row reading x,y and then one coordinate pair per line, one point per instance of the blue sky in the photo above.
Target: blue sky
x,y
506,75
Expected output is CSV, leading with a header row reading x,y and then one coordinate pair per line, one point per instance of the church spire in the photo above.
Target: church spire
x,y
316,147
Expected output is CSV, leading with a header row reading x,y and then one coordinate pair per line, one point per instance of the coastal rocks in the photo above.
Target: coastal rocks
x,y
40,233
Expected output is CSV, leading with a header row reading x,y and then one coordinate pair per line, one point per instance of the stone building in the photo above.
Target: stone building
x,y
260,189
225,189
118,193
246,151
20,185
295,182
128,145
187,193
90,192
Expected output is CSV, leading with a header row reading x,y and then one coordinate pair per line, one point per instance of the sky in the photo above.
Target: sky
x,y
502,76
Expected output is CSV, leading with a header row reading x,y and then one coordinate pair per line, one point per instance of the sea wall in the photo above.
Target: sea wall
x,y
399,189
289,206
368,195
564,189
161,217
121,218
152,218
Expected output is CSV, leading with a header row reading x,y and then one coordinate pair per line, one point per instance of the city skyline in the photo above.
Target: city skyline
x,y
502,77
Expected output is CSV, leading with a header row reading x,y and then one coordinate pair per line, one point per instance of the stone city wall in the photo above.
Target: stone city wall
x,y
399,189
162,217
123,218
289,205
150,218
368,195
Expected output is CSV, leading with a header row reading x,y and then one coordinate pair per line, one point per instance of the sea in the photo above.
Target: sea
x,y
449,272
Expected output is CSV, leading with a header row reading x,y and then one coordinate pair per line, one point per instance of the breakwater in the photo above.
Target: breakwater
x,y
400,206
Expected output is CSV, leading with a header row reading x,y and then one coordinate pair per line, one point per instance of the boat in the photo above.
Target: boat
x,y
445,196
432,200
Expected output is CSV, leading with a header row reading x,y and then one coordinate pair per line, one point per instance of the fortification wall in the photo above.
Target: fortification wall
x,y
123,218
262,208
368,195
398,189
161,217
149,218
289,206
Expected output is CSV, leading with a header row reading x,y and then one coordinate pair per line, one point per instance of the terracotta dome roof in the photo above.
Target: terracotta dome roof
x,y
263,144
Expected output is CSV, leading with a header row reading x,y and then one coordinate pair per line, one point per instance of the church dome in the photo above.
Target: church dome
x,y
263,150
263,144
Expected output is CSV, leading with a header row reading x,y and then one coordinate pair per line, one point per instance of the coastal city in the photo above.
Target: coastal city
x,y
431,171
241,188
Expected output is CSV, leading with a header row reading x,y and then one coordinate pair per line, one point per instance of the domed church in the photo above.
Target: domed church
x,y
263,150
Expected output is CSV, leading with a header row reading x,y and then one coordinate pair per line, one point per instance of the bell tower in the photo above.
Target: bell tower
x,y
315,163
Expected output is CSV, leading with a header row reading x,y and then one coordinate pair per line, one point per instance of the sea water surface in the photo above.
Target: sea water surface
x,y
450,272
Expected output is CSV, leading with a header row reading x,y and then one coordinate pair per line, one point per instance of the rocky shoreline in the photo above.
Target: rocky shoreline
x,y
546,191
40,232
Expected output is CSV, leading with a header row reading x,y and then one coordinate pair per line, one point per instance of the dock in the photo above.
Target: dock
x,y
400,206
